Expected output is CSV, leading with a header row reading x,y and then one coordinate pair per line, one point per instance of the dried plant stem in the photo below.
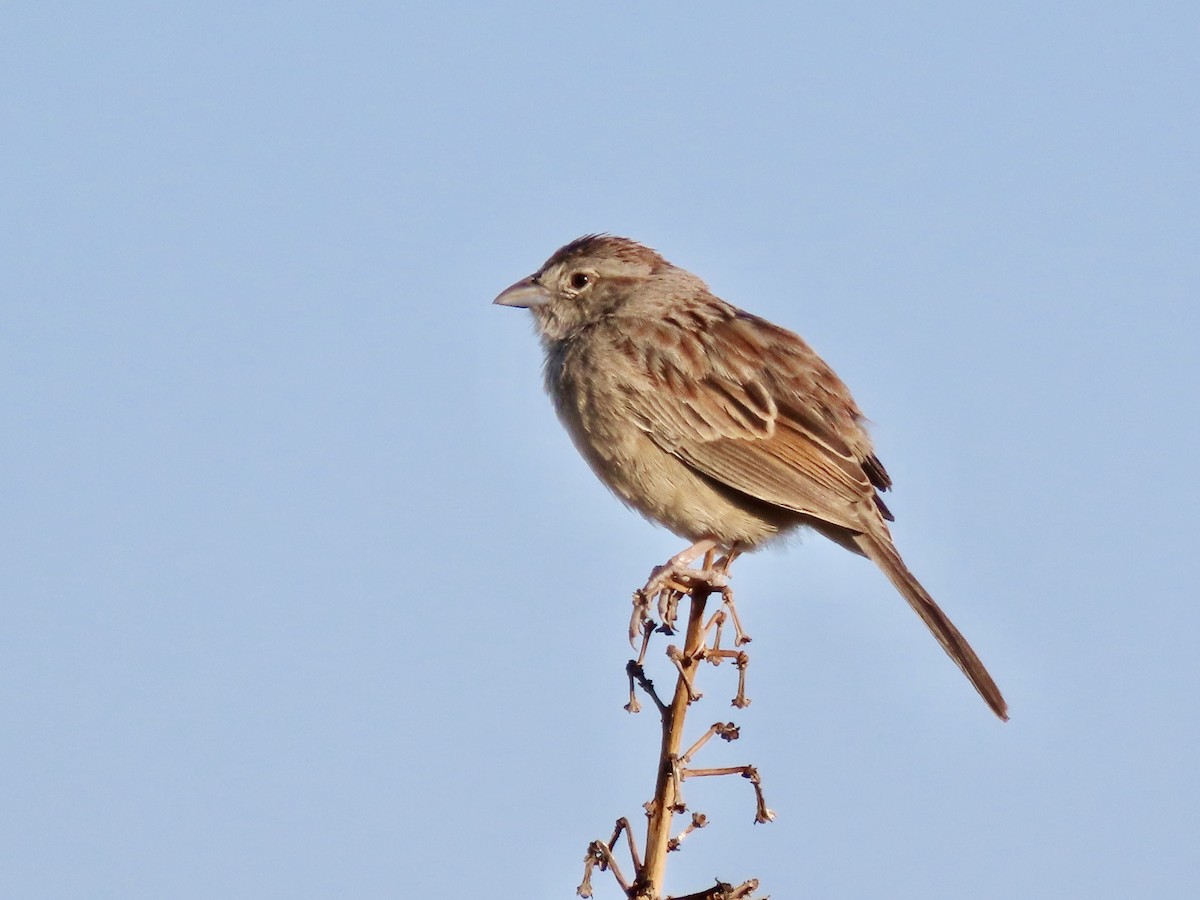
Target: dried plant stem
x,y
663,806
697,585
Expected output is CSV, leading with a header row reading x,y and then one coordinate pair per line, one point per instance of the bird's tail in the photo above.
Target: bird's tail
x,y
879,549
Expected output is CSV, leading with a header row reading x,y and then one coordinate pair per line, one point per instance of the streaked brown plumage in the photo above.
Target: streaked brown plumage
x,y
710,420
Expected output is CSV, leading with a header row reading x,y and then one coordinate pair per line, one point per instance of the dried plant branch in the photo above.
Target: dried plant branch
x,y
727,730
741,701
717,620
623,827
647,632
722,891
638,674
699,820
600,854
650,881
685,672
762,814
669,584
740,635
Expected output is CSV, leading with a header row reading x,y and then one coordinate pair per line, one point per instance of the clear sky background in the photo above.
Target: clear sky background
x,y
307,595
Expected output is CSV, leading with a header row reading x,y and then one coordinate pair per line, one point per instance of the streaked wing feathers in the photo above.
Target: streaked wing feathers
x,y
752,406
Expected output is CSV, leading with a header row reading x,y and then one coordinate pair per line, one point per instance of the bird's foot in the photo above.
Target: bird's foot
x,y
672,580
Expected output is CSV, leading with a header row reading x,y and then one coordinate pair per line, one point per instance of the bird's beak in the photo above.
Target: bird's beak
x,y
525,294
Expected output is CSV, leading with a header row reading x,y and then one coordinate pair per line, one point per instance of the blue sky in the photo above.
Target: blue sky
x,y
308,595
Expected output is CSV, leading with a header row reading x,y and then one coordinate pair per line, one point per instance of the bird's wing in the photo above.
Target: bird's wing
x,y
751,406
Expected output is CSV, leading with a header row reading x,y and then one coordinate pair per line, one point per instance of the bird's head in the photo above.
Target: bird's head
x,y
585,281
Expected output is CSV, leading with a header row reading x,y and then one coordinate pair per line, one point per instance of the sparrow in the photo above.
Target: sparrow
x,y
725,428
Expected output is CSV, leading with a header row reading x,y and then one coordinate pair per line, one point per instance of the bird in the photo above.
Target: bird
x,y
721,426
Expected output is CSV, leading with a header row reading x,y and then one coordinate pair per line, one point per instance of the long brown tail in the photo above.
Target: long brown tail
x,y
879,550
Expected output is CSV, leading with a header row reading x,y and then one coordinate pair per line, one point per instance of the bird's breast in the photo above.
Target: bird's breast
x,y
592,401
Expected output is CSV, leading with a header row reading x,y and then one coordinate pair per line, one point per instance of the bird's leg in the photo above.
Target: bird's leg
x,y
668,601
685,558
673,578
668,583
678,569
726,561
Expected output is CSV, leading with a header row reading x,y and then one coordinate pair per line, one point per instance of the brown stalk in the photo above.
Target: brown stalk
x,y
658,835
649,873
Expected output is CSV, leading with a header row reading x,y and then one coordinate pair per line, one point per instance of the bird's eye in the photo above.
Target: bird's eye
x,y
580,280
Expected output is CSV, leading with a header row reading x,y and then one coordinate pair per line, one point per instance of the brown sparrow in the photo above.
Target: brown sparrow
x,y
711,421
